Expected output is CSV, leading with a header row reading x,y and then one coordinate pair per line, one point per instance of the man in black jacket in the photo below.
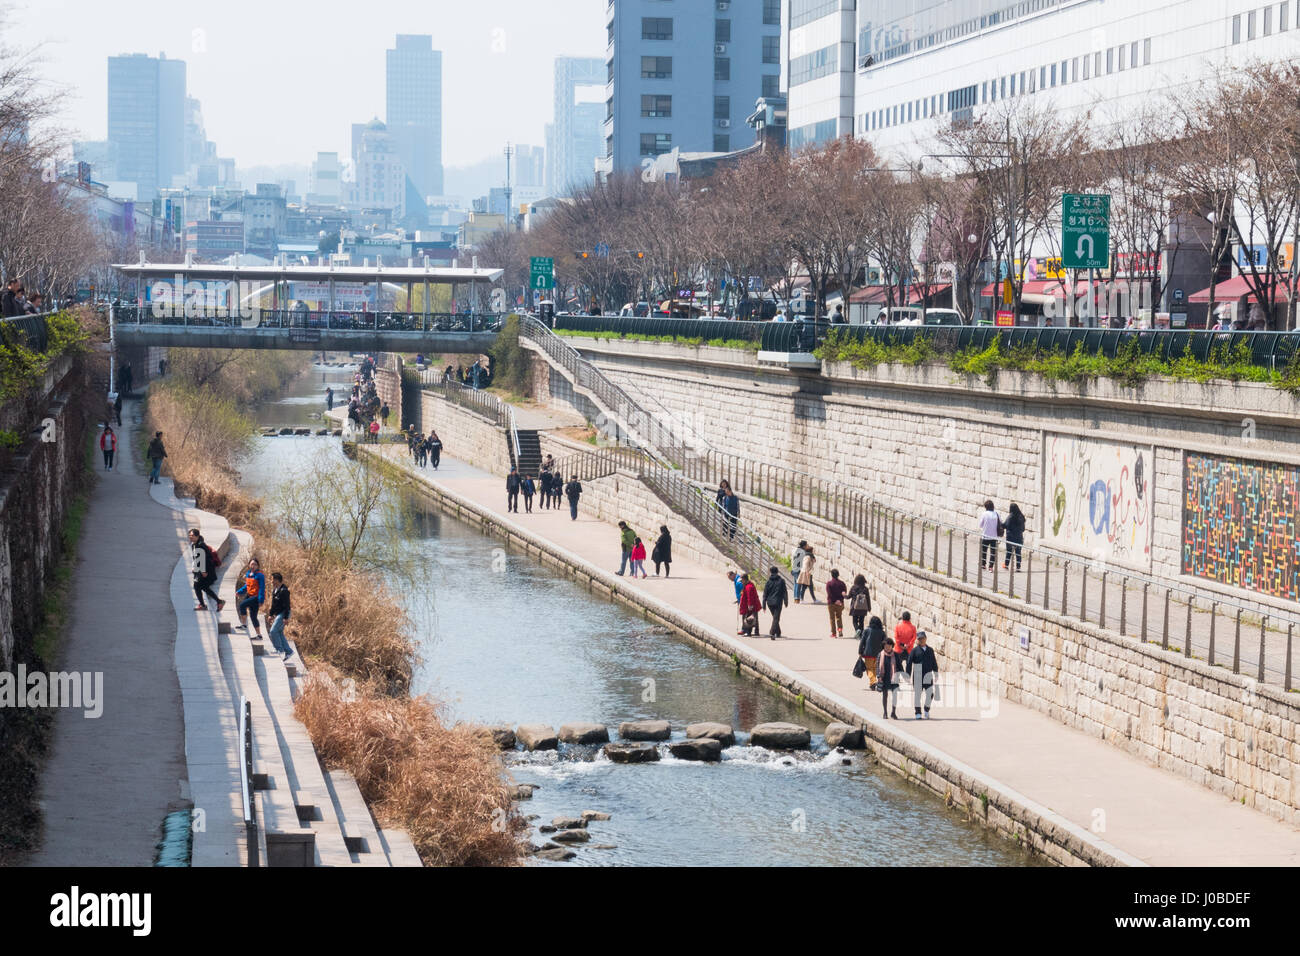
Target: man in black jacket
x,y
573,489
926,667
512,491
775,597
9,299
279,614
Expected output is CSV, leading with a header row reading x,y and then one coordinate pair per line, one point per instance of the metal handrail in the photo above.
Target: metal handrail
x,y
501,413
31,326
384,320
614,398
246,778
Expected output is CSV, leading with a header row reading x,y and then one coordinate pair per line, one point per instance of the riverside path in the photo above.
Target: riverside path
x,y
109,781
1150,816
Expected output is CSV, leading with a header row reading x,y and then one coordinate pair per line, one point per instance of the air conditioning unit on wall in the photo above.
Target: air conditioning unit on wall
x,y
719,48
724,123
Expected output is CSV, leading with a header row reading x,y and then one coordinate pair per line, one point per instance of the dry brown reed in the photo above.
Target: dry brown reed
x,y
441,784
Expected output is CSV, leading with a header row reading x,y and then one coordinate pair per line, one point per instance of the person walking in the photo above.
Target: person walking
x,y
117,408
155,453
573,490
128,378
796,565
374,431
638,558
435,449
835,591
859,603
990,525
870,646
923,669
663,552
544,487
749,607
279,614
329,399
731,508
887,669
251,595
627,540
108,445
904,635
1014,528
806,576
384,412
527,489
512,492
203,564
776,596
737,583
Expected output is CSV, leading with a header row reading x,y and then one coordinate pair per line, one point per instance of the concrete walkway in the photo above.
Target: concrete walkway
x,y
1154,816
109,782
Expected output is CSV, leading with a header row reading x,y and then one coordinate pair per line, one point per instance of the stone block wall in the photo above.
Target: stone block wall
x,y
928,441
1204,723
465,435
388,384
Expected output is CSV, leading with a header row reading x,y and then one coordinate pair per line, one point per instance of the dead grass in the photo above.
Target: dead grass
x,y
441,784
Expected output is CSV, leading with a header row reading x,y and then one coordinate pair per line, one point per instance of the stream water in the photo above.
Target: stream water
x,y
505,640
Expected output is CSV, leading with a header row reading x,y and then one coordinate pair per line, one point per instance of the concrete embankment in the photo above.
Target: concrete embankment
x,y
459,490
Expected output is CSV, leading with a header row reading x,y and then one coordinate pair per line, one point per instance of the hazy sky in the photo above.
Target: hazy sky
x,y
280,80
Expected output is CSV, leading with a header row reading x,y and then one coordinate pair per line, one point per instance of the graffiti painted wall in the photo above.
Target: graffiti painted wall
x,y
1239,524
1097,499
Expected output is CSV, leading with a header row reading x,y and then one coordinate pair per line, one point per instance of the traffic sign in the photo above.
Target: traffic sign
x,y
1085,231
541,273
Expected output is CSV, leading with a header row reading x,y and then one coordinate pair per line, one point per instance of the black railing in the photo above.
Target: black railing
x,y
383,321
27,330
704,330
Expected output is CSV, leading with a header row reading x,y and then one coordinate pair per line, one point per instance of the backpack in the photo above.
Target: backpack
x,y
250,586
860,602
213,558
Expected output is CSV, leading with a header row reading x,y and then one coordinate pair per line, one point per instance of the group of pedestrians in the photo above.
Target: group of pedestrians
x,y
993,526
549,484
250,596
14,301
634,552
886,660
477,376
365,408
425,449
774,599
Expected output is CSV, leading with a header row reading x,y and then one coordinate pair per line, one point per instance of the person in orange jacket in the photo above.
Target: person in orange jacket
x,y
904,636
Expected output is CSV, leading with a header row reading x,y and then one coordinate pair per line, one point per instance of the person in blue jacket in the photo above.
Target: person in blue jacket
x,y
251,595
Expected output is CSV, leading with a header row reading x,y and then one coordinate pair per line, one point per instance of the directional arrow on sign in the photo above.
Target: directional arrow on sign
x,y
1085,238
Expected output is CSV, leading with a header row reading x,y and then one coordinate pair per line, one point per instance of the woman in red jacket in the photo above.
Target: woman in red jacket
x,y
108,445
749,607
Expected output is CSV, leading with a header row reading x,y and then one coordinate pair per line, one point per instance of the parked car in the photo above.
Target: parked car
x,y
912,315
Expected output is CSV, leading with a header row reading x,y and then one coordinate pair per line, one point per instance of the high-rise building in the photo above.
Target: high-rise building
x,y
381,178
530,166
575,140
323,181
922,68
686,76
147,120
414,87
818,69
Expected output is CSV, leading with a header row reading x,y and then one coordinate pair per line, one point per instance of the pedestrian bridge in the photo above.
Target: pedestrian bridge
x,y
283,306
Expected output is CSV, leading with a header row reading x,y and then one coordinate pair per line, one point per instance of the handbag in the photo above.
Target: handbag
x,y
859,667
750,620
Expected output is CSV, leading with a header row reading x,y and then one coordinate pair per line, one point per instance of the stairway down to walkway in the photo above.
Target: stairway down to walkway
x,y
529,461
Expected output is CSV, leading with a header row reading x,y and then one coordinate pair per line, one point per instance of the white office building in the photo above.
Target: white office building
x,y
818,69
921,64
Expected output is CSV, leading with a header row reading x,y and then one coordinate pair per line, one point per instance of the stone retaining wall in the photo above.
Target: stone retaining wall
x,y
467,436
929,441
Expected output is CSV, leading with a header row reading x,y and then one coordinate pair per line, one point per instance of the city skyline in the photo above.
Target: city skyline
x,y
507,75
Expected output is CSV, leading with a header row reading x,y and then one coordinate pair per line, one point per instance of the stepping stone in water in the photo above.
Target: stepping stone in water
x,y
719,732
780,736
632,753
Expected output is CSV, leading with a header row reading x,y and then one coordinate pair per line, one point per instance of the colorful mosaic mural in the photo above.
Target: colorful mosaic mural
x,y
1239,524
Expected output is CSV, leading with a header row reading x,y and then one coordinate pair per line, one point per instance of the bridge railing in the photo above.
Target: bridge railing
x,y
338,320
28,330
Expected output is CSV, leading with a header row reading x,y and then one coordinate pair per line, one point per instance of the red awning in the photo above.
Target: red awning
x,y
875,294
1230,290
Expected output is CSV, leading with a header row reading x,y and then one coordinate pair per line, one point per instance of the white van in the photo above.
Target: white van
x,y
911,315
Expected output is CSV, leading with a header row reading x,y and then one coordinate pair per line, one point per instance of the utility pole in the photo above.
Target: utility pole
x,y
510,152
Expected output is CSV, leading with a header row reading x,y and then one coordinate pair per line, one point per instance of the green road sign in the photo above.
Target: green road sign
x,y
541,273
1085,231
